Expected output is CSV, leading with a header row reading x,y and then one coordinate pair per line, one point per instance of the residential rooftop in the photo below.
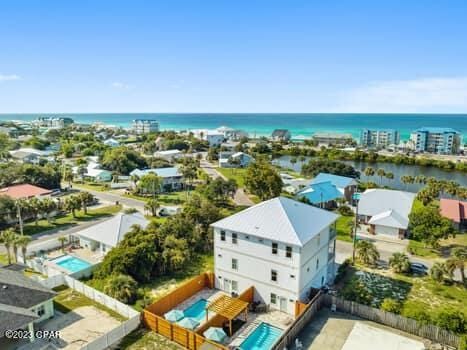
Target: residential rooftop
x,y
23,191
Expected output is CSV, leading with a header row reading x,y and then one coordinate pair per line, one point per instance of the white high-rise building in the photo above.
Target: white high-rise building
x,y
145,126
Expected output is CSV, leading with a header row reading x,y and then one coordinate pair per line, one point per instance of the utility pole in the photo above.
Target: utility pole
x,y
356,198
20,219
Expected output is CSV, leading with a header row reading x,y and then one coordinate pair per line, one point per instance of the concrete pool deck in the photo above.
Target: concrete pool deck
x,y
339,331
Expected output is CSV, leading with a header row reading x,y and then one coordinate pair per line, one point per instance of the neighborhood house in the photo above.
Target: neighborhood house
x,y
172,178
456,211
386,211
234,159
282,247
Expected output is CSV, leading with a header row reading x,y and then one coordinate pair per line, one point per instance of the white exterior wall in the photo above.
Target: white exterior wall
x,y
295,275
48,307
387,231
215,139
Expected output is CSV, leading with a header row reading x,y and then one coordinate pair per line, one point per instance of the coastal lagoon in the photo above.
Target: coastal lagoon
x,y
263,124
397,169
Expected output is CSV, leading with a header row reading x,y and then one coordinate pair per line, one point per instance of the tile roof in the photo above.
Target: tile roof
x,y
24,191
453,209
280,219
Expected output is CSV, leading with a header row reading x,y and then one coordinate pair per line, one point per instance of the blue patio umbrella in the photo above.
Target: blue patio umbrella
x,y
174,315
189,323
215,333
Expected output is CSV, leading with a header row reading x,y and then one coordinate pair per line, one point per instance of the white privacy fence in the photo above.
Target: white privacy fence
x,y
114,335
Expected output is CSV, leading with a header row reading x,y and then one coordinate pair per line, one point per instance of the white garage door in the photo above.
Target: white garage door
x,y
386,230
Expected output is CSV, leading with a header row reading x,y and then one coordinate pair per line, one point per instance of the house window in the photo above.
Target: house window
x,y
274,275
234,286
273,298
222,235
234,264
274,248
40,311
288,252
234,238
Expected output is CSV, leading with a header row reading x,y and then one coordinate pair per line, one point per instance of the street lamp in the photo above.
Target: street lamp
x,y
356,199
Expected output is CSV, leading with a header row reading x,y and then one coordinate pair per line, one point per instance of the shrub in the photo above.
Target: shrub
x,y
463,343
342,270
391,305
418,314
452,320
356,291
345,210
122,287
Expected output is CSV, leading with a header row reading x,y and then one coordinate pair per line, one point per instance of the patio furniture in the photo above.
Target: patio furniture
x,y
216,334
188,323
174,315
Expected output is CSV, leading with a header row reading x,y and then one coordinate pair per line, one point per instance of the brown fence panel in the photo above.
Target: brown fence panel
x,y
186,290
247,295
402,323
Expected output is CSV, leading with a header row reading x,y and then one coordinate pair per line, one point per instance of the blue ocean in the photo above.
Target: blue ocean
x,y
263,124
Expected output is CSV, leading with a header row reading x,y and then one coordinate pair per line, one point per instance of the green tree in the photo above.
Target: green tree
x,y
85,198
152,205
438,272
369,171
48,206
122,160
381,173
428,226
121,287
391,305
366,253
63,240
457,261
149,183
23,242
72,204
399,262
262,180
407,179
321,165
389,175
8,238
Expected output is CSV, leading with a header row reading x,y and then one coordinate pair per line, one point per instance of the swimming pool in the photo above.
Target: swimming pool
x,y
197,310
262,338
71,263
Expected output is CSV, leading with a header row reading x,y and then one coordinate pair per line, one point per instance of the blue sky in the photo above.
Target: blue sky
x,y
233,56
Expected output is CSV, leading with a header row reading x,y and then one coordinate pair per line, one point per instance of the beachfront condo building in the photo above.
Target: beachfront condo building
x,y
379,138
331,138
282,247
52,122
436,140
145,126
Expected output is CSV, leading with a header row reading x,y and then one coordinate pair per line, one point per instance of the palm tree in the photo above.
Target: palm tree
x,y
7,238
389,176
62,240
122,287
457,260
189,172
399,262
369,171
421,179
85,198
152,205
48,206
35,208
16,245
23,242
438,271
407,179
71,204
68,175
367,252
381,173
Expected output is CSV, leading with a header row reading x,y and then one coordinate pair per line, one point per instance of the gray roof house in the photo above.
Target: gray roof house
x,y
23,301
234,159
386,211
281,135
107,234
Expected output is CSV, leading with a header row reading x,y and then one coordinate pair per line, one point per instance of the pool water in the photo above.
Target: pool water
x,y
197,310
71,263
262,338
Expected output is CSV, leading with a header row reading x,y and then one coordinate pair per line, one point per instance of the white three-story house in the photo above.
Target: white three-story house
x,y
281,247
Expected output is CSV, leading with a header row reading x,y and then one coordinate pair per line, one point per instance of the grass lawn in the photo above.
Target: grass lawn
x,y
68,299
170,198
236,174
444,250
419,249
92,186
143,339
3,259
343,228
31,228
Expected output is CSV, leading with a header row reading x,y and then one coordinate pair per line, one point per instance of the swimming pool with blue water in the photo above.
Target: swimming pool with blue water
x,y
71,263
197,310
262,338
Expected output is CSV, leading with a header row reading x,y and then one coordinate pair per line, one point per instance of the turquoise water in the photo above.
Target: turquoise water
x,y
71,263
197,310
262,338
263,124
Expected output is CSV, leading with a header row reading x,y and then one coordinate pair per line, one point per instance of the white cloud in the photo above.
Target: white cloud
x,y
9,77
120,85
398,96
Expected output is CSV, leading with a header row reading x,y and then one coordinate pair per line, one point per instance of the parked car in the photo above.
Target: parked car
x,y
418,268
